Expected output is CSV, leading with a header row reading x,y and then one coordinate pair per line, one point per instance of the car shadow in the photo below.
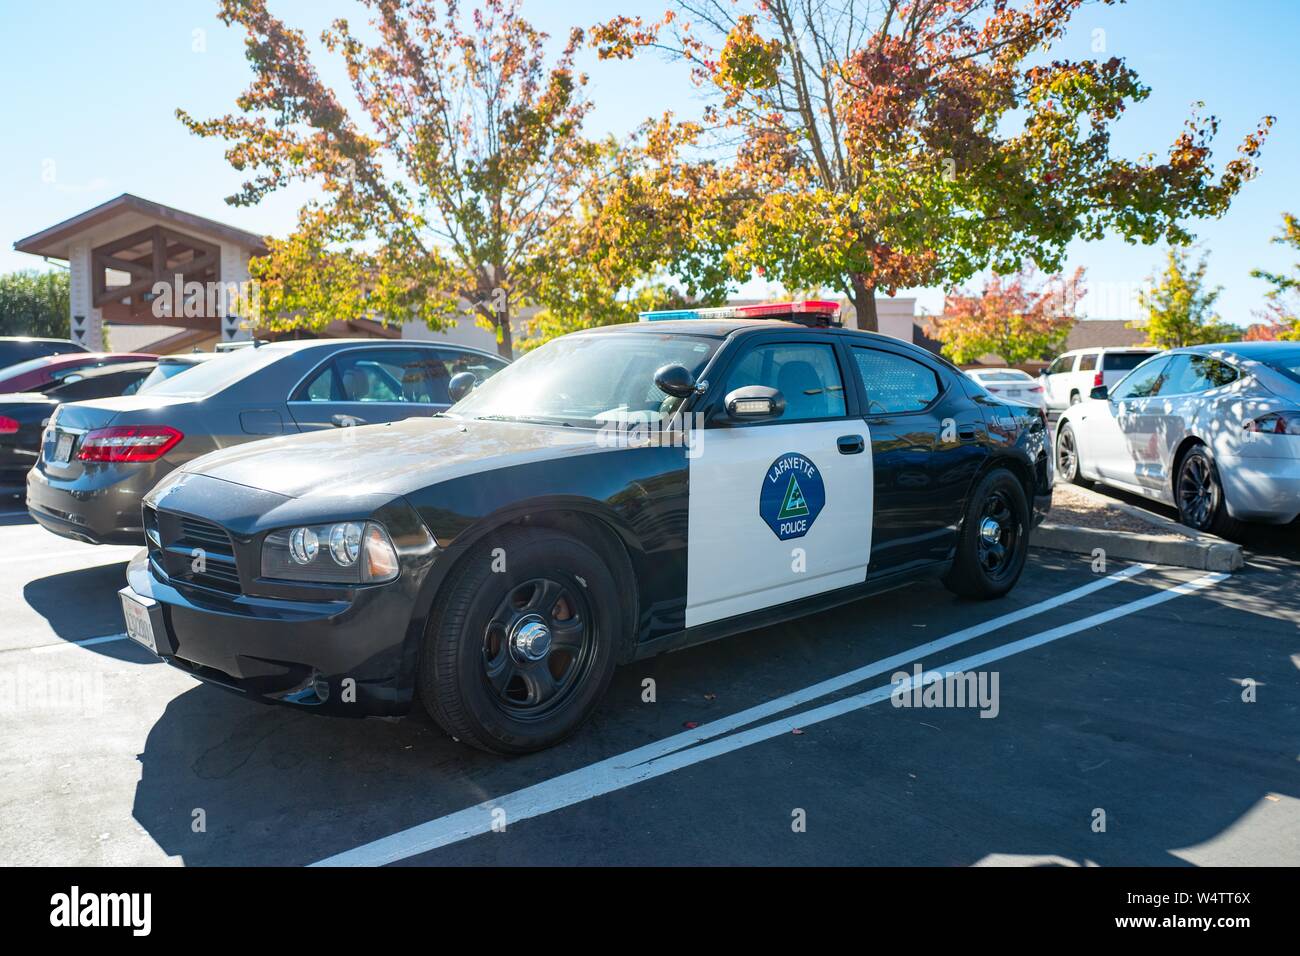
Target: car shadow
x,y
83,604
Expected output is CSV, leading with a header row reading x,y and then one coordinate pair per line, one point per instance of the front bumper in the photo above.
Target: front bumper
x,y
346,651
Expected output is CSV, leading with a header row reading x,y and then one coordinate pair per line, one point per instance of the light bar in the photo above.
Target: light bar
x,y
818,312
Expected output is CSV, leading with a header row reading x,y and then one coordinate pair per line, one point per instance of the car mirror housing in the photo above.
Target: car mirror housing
x,y
675,380
754,403
1100,393
460,385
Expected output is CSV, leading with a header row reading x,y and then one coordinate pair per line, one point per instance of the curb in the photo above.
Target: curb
x,y
1203,553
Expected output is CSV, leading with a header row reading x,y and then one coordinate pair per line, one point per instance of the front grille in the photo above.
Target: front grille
x,y
196,552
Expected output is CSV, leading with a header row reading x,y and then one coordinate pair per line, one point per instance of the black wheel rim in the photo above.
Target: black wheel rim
x,y
1066,456
1198,493
998,536
538,647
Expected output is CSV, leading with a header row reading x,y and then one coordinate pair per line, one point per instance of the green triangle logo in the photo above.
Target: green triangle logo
x,y
794,505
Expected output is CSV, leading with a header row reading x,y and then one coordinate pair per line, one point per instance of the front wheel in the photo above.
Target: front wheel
x,y
521,645
994,540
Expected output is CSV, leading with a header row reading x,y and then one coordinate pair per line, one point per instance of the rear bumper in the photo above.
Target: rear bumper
x,y
1261,489
100,507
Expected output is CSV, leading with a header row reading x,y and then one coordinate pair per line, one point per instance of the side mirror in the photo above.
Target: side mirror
x,y
1100,393
1042,372
460,385
754,403
675,380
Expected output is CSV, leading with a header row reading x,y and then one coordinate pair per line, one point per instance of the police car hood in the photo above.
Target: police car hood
x,y
395,458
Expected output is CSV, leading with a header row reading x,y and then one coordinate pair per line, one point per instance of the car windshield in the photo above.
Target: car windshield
x,y
1285,360
588,379
163,371
208,378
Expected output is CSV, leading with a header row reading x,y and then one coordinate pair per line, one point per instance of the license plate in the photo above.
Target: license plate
x,y
63,448
1013,393
138,626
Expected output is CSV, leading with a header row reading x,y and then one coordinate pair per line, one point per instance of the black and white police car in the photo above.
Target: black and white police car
x,y
614,494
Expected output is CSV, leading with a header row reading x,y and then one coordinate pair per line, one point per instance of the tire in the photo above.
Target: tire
x,y
1067,456
478,677
1000,497
1075,398
1198,495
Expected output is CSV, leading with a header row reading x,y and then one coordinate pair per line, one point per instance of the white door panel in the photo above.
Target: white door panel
x,y
740,560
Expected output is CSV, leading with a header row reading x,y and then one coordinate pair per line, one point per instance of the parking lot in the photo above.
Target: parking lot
x,y
1118,734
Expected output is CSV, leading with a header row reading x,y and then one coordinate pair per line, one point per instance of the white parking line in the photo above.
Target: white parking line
x,y
682,750
88,642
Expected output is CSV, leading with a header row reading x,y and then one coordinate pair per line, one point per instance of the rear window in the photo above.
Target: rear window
x,y
165,370
208,378
1011,376
1124,361
1286,361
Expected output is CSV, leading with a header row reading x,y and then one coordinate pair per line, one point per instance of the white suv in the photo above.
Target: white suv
x,y
1075,374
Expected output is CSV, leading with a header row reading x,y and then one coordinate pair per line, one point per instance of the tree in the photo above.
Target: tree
x,y
876,146
35,303
1282,309
1180,308
456,175
1015,318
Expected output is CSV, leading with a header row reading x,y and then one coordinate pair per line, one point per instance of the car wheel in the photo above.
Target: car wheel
x,y
994,540
1067,456
1199,495
521,645
1075,398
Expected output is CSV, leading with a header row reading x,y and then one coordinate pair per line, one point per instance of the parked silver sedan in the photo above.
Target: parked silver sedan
x,y
1213,430
99,458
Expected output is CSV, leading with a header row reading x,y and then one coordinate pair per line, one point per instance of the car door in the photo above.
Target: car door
x,y
1192,384
927,443
779,510
1121,429
365,386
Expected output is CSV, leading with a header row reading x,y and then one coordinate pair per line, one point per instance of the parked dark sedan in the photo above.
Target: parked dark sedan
x,y
99,458
21,348
23,415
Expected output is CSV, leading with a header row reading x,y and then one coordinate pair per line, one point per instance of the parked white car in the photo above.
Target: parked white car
x,y
1011,384
1073,375
1213,430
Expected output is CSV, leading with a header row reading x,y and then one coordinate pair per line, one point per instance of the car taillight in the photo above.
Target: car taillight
x,y
128,443
1035,388
1275,423
8,426
1097,381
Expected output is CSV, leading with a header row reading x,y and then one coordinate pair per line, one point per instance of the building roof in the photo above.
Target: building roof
x,y
1103,333
53,241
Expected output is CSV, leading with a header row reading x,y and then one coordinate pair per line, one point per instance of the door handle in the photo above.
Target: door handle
x,y
346,421
967,432
850,444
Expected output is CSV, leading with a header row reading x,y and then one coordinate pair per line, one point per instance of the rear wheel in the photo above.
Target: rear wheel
x,y
994,539
1198,494
1075,398
521,646
1067,455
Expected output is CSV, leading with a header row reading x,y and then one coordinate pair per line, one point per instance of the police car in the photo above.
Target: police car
x,y
616,493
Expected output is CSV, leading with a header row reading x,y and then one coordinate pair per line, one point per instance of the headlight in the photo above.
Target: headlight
x,y
344,552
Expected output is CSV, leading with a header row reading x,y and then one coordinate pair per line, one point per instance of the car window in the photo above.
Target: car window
x,y
1062,364
322,388
1124,361
393,375
1188,374
1088,362
1143,382
165,370
895,383
97,386
208,378
805,373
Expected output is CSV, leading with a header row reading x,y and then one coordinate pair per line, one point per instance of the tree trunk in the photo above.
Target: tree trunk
x,y
864,303
505,343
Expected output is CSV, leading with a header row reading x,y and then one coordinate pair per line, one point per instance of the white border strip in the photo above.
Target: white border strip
x,y
677,752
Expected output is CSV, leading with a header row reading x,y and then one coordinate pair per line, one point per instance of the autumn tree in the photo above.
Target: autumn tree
x,y
455,173
1019,318
869,147
1281,312
1179,306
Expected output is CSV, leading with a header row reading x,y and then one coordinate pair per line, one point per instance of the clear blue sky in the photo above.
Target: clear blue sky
x,y
91,87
